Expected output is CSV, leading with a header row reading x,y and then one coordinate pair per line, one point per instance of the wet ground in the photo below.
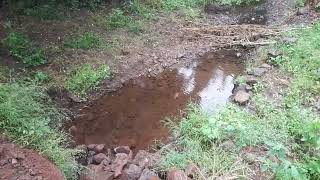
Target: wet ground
x,y
133,115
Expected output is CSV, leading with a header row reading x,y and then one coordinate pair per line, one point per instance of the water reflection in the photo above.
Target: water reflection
x,y
215,90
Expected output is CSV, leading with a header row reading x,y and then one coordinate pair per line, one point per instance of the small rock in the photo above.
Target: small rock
x,y
118,164
265,65
238,54
97,159
251,80
228,146
242,97
259,71
14,161
142,158
248,87
289,40
32,173
95,172
274,53
99,148
191,170
91,147
133,172
148,175
106,162
82,148
303,10
122,149
317,104
177,175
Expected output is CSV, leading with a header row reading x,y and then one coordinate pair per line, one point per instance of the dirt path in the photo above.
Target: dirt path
x,y
20,163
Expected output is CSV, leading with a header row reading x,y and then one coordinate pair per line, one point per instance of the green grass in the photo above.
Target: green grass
x,y
88,40
290,130
237,2
24,49
85,78
28,117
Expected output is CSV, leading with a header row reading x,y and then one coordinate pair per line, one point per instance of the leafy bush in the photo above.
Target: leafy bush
x,y
86,77
22,48
117,19
45,12
20,5
29,118
87,40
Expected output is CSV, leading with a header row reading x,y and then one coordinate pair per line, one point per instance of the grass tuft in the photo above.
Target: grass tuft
x,y
29,118
86,77
86,40
24,49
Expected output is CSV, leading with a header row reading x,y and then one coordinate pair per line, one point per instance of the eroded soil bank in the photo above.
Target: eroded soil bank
x,y
134,115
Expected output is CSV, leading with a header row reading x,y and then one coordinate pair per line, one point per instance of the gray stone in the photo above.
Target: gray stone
x,y
259,71
95,172
99,148
98,158
265,65
274,53
148,175
142,158
133,172
251,80
118,164
122,149
177,175
241,97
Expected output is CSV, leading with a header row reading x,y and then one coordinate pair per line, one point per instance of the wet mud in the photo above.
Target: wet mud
x,y
134,115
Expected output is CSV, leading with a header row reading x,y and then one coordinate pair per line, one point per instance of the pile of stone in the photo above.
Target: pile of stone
x,y
242,93
106,164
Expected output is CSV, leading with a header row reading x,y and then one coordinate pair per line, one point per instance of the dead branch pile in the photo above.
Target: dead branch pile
x,y
233,35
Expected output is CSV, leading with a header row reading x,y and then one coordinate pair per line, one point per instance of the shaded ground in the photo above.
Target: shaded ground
x,y
20,163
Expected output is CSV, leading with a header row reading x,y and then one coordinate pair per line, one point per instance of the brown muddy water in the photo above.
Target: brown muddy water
x,y
133,115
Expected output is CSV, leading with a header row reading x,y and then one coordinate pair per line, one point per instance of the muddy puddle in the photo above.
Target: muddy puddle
x,y
133,115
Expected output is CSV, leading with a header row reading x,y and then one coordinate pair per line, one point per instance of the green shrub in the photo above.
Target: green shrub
x,y
19,6
181,4
86,77
41,77
45,12
28,117
87,40
24,50
117,19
